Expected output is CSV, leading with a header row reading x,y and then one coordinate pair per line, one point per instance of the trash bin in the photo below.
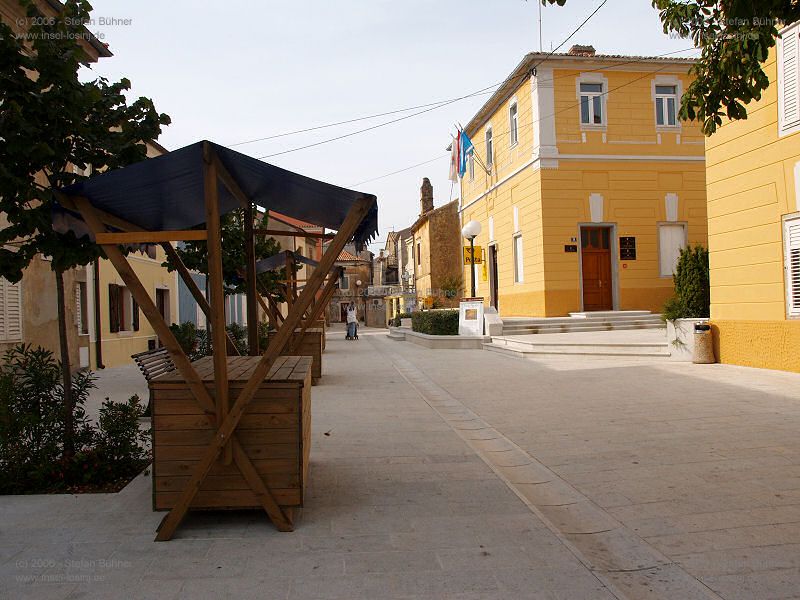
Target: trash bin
x,y
703,345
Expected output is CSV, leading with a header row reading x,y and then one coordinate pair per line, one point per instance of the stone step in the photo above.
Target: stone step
x,y
576,327
523,349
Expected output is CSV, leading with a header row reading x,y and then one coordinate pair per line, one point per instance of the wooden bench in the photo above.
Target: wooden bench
x,y
152,364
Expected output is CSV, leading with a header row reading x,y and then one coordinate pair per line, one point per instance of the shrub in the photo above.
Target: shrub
x,y
692,297
435,322
239,336
32,427
186,334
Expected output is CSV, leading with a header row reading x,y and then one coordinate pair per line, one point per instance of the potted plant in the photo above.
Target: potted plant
x,y
691,303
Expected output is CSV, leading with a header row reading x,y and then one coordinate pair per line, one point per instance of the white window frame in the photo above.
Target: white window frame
x,y
793,126
519,258
662,224
666,80
593,78
513,123
489,138
792,220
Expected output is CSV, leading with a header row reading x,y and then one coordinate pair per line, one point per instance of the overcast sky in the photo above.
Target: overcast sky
x,y
237,70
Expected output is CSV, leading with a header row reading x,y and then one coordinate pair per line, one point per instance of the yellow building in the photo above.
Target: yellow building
x,y
754,222
585,184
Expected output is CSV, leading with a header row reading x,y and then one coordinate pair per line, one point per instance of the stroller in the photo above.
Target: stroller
x,y
352,331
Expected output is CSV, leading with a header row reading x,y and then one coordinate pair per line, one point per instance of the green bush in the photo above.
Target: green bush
x,y
692,297
186,334
32,429
435,322
238,334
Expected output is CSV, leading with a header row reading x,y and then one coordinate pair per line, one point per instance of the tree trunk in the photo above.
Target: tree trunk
x,y
66,370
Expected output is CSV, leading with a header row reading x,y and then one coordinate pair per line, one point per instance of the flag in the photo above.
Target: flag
x,y
465,147
454,156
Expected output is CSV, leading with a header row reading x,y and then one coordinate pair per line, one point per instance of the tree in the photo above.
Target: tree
x,y
735,37
50,121
195,255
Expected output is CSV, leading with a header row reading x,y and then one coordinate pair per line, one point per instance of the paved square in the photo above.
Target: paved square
x,y
466,474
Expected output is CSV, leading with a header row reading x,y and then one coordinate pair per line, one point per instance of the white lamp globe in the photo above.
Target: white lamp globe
x,y
358,282
471,230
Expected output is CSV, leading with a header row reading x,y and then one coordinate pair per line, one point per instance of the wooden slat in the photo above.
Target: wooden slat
x,y
170,523
150,237
306,234
248,421
228,499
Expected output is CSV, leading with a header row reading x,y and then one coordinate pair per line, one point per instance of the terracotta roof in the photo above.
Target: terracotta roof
x,y
346,256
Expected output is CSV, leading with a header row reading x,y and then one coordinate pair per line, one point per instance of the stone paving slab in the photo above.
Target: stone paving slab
x,y
398,506
699,462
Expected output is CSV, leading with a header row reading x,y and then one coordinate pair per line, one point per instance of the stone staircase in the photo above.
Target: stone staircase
x,y
583,322
636,333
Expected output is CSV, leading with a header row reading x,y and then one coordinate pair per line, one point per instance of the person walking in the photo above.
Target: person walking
x,y
352,322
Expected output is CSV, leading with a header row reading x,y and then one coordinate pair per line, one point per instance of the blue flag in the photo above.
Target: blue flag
x,y
466,148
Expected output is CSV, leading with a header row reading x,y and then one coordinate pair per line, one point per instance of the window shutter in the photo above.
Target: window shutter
x,y
10,311
113,307
788,90
792,240
78,309
135,315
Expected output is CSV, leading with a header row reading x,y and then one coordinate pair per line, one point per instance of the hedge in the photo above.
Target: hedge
x,y
435,322
692,297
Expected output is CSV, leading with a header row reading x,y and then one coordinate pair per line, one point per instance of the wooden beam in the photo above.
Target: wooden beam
x,y
150,237
307,234
354,217
229,182
216,288
149,309
198,296
327,292
69,202
250,281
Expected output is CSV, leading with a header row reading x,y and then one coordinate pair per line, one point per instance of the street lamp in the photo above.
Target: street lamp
x,y
470,231
358,285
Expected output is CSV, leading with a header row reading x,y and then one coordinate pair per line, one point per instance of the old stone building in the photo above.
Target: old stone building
x,y
436,251
353,284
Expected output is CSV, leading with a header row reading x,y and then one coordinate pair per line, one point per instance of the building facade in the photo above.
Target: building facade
x,y
357,268
436,251
585,183
754,222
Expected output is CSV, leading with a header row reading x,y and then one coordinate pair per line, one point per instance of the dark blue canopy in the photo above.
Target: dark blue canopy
x,y
166,193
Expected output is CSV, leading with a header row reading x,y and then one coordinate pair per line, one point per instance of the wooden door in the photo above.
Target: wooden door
x,y
493,294
596,261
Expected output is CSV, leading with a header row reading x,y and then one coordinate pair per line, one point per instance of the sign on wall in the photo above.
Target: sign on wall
x,y
468,255
627,248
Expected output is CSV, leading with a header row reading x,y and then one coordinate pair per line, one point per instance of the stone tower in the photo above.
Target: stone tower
x,y
426,196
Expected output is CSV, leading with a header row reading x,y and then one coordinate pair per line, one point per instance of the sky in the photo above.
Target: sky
x,y
239,70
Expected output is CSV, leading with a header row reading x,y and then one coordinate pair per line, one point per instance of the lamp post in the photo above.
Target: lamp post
x,y
470,231
358,285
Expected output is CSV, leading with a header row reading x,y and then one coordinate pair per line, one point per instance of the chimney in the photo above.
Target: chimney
x,y
426,196
578,50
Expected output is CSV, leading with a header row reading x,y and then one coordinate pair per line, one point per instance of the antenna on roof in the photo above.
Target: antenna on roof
x,y
539,2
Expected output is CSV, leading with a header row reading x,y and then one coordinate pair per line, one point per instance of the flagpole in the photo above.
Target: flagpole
x,y
540,26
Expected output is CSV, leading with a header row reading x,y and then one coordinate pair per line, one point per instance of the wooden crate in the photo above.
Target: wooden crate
x,y
311,346
275,432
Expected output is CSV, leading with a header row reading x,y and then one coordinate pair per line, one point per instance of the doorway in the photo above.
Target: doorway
x,y
494,296
596,275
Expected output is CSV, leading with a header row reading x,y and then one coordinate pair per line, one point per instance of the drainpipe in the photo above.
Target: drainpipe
x,y
98,346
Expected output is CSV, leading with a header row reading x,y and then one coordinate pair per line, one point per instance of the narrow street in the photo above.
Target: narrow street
x,y
465,474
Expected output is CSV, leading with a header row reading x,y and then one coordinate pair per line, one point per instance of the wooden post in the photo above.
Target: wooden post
x,y
216,289
289,276
173,519
327,293
149,309
198,296
250,279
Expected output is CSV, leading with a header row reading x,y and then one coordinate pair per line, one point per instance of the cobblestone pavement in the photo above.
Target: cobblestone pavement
x,y
465,474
